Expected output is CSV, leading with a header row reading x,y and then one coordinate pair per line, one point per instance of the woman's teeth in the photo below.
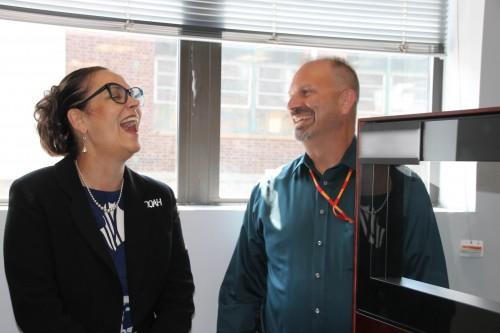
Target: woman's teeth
x,y
130,124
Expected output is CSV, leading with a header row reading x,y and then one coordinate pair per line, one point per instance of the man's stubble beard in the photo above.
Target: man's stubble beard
x,y
302,136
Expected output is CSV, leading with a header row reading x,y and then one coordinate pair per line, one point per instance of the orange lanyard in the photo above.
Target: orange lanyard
x,y
334,203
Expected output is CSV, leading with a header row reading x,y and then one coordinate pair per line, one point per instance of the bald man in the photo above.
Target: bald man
x,y
292,268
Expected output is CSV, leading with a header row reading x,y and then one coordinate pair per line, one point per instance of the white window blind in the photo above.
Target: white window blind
x,y
413,26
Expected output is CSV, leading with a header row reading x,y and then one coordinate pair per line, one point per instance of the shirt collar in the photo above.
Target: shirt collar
x,y
349,158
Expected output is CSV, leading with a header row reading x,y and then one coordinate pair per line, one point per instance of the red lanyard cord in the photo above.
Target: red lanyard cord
x,y
334,203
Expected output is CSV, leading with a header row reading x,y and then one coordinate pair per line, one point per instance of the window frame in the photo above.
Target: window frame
x,y
204,187
156,86
199,132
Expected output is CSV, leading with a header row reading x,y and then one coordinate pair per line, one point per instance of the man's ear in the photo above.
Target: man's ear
x,y
347,100
76,118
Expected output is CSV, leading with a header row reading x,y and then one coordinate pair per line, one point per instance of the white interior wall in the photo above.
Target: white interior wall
x,y
7,322
210,235
490,56
462,63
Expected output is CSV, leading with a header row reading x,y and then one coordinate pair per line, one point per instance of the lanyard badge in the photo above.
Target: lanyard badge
x,y
334,203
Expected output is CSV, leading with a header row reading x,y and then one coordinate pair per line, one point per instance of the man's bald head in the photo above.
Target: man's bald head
x,y
343,74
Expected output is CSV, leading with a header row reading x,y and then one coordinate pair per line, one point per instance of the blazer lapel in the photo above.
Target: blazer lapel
x,y
80,211
137,228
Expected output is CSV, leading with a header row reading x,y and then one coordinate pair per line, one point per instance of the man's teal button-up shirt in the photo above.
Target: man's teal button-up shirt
x,y
293,264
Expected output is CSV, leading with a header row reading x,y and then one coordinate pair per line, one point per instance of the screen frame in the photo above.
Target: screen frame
x,y
478,311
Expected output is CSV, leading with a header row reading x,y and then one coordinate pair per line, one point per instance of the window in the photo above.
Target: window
x,y
166,86
236,90
255,124
22,85
249,122
62,50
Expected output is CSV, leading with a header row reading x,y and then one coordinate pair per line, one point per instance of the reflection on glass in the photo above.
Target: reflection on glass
x,y
397,217
470,226
428,244
465,196
455,186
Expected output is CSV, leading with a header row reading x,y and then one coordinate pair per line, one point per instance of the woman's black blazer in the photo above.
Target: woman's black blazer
x,y
60,275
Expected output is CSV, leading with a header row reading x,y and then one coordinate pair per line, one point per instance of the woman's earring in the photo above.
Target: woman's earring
x,y
84,139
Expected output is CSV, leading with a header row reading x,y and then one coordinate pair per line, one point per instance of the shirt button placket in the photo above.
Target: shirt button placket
x,y
318,272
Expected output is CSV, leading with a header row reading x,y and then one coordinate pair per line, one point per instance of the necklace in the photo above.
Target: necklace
x,y
370,209
369,216
111,206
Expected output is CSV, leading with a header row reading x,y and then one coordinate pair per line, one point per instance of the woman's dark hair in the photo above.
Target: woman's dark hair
x,y
56,134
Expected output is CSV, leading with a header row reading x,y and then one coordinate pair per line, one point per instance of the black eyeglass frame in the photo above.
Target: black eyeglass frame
x,y
128,92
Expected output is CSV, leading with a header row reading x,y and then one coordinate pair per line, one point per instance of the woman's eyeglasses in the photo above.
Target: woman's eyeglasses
x,y
117,93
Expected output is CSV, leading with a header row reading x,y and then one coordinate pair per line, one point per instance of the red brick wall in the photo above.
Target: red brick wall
x,y
254,155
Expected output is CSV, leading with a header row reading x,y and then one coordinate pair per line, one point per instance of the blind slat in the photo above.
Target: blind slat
x,y
419,24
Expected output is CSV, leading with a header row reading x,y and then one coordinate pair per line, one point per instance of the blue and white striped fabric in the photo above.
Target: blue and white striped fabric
x,y
111,226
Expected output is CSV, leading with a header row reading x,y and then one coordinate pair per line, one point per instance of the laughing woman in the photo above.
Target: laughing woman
x,y
84,252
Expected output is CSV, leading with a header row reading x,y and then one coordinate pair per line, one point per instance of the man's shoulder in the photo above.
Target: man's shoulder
x,y
283,172
274,177
415,192
408,174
